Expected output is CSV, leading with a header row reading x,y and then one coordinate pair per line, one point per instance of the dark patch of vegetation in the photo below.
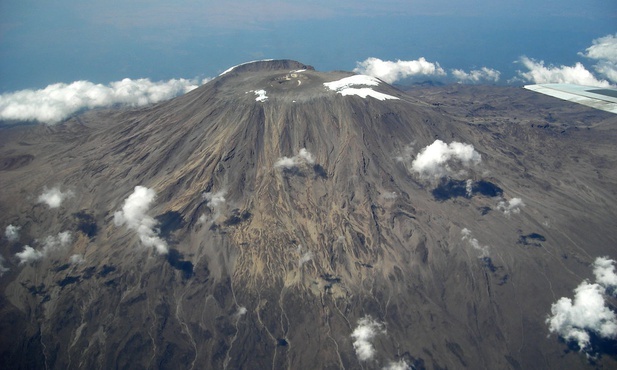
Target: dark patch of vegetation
x,y
367,265
68,280
169,222
63,267
106,270
86,223
89,272
488,263
175,259
237,217
486,188
449,188
36,290
320,171
331,278
111,283
532,240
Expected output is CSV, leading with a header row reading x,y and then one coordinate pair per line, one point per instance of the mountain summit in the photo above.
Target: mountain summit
x,y
281,217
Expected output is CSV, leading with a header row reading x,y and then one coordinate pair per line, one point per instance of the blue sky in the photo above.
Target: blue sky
x,y
46,42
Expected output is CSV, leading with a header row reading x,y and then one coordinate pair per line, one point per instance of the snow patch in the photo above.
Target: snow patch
x,y
345,87
242,64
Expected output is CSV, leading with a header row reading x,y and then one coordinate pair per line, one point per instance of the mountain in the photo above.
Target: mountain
x,y
281,217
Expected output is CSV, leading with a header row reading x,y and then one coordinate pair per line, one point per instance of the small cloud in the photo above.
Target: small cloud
x,y
303,157
391,72
513,205
133,215
307,256
574,320
604,50
538,73
475,76
398,365
604,271
50,244
54,197
3,268
76,259
12,233
363,334
439,159
241,312
483,249
57,102
215,202
389,195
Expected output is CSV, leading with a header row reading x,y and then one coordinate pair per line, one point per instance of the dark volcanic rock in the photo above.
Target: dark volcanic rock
x,y
278,273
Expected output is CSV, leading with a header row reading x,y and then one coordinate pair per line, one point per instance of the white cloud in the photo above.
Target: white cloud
x,y
363,334
214,201
57,102
513,205
604,50
436,160
133,214
389,195
305,258
241,312
573,320
538,73
399,365
3,268
54,197
303,157
50,245
76,259
604,270
483,249
12,233
483,74
390,71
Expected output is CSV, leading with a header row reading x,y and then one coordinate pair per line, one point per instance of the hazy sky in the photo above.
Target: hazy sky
x,y
44,42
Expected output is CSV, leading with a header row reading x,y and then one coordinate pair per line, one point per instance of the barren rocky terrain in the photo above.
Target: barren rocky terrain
x,y
285,220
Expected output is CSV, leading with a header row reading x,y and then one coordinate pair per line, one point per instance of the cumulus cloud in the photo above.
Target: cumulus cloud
x,y
3,268
12,233
475,76
363,334
134,216
604,50
574,320
241,312
303,157
538,73
604,271
57,102
513,205
50,244
54,197
76,259
307,256
390,71
215,202
398,365
482,249
439,159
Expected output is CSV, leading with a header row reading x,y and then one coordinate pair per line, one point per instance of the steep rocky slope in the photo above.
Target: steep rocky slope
x,y
289,213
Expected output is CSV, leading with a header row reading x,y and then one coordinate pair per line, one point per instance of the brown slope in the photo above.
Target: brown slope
x,y
400,260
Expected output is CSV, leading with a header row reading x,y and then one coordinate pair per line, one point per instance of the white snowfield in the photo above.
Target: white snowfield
x,y
261,95
345,87
241,64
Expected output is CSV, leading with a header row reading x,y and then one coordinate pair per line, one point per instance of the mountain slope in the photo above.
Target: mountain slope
x,y
292,214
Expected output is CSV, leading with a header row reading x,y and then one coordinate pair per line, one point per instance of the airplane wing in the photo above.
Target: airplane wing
x,y
604,98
